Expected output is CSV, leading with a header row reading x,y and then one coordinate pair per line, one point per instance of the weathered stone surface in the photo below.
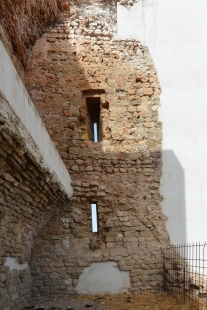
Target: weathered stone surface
x,y
22,22
121,172
75,59
29,196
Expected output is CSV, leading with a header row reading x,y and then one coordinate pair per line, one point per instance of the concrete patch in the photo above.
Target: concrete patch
x,y
102,278
13,265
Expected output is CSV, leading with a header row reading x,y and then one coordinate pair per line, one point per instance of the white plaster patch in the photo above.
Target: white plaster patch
x,y
101,278
13,265
135,28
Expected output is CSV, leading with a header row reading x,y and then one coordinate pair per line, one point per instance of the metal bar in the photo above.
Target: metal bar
x,y
165,289
185,273
184,277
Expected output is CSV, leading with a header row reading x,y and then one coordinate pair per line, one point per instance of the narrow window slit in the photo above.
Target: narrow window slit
x,y
95,132
94,215
93,107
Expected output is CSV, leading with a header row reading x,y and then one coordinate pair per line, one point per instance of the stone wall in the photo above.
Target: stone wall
x,y
29,196
22,22
121,173
93,18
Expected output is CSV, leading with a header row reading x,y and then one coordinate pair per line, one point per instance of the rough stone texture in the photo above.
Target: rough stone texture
x,y
93,18
29,196
22,22
8,45
121,173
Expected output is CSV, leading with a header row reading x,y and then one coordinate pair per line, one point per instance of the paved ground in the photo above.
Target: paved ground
x,y
109,302
72,303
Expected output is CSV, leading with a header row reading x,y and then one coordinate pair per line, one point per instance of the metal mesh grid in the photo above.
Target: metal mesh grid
x,y
185,273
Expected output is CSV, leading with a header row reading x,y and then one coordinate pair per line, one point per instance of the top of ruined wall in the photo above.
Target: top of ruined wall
x,y
22,22
94,18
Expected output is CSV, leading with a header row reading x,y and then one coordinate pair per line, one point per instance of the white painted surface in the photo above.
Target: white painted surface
x,y
175,33
13,265
94,216
130,21
15,93
101,278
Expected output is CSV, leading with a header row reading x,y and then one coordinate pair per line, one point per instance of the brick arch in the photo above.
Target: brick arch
x,y
24,21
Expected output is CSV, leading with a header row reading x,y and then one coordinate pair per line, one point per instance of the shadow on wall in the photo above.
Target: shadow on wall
x,y
121,173
61,103
173,190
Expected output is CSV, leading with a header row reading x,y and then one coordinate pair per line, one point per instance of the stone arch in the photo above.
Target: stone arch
x,y
22,22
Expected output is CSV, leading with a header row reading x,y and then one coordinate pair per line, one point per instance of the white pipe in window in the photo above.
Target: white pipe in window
x,y
95,132
94,215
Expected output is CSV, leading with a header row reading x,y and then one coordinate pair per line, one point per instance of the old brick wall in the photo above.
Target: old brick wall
x,y
121,172
22,22
29,196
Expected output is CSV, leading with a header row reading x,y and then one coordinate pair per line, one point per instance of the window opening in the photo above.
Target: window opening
x,y
95,132
94,215
93,106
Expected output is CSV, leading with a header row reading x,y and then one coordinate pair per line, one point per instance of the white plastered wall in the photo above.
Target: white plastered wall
x,y
16,95
175,33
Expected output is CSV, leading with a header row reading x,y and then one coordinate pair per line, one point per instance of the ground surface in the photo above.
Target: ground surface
x,y
110,302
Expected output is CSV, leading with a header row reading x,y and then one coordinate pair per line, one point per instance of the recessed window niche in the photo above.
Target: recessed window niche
x,y
93,109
